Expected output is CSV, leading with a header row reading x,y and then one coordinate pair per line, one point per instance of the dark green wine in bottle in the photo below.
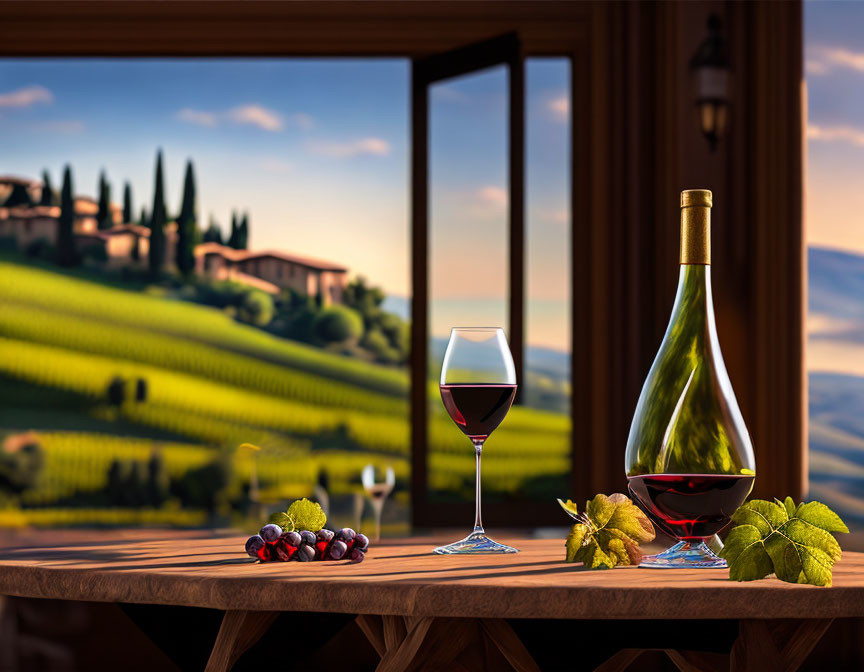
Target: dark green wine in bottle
x,y
689,457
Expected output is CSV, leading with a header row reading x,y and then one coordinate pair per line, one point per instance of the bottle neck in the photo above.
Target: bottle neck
x,y
696,234
694,301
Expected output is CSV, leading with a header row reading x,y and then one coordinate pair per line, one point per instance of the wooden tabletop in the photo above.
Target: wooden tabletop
x,y
404,578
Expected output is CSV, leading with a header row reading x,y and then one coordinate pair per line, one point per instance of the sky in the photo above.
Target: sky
x,y
834,68
317,152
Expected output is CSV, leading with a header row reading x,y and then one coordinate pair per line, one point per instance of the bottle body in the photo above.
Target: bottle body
x,y
689,459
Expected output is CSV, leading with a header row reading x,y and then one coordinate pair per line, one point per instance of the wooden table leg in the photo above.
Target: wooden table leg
x,y
239,630
409,643
781,645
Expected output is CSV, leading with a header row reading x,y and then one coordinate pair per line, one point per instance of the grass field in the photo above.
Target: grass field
x,y
212,384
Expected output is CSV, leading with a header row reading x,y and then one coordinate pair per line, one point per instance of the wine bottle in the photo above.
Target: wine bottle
x,y
689,456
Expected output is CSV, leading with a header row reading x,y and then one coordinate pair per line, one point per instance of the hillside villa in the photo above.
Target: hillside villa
x,y
126,245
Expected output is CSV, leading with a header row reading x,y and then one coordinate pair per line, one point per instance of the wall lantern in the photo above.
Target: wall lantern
x,y
710,73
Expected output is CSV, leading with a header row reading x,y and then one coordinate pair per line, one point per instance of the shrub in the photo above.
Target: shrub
x,y
8,244
376,343
257,308
21,462
41,248
95,254
338,324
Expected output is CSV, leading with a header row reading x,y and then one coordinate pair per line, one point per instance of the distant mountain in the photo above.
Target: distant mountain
x,y
836,431
836,283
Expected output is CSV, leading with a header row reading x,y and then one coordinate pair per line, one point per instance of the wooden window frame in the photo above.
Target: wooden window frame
x,y
633,147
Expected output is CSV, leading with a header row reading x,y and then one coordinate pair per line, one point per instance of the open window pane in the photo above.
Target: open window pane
x,y
468,233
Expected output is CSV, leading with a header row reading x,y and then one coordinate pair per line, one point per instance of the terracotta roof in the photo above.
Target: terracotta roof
x,y
12,179
246,255
23,212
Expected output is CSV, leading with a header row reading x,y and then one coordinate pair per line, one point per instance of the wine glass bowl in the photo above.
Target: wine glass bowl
x,y
478,385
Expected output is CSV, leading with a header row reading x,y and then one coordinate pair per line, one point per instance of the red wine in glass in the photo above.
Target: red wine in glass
x,y
691,507
477,409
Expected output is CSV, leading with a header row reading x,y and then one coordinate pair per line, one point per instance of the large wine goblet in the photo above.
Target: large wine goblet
x,y
478,384
689,457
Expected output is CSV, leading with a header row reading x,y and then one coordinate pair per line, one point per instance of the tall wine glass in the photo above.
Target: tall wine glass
x,y
377,489
478,384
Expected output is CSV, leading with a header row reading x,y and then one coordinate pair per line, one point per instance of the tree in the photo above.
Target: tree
x,y
66,254
157,221
127,203
103,218
186,223
213,234
257,308
243,233
48,197
234,238
338,324
19,196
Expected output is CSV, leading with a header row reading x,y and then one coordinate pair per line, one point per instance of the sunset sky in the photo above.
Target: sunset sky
x,y
834,63
317,152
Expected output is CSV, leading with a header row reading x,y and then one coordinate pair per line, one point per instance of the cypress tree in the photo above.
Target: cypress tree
x,y
234,238
66,254
186,224
103,218
127,203
213,234
47,190
143,220
243,233
157,222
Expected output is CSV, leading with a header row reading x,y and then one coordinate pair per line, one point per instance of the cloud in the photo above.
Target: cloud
x,y
256,115
447,93
198,117
302,121
246,115
66,126
351,148
491,195
559,107
825,59
846,134
27,96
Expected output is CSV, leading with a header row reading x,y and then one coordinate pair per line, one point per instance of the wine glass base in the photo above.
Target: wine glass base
x,y
476,542
685,555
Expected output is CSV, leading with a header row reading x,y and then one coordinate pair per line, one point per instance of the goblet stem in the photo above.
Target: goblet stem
x,y
378,507
478,522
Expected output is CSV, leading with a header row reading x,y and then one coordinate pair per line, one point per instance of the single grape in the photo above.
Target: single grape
x,y
253,544
271,533
357,555
292,539
305,553
346,534
325,535
283,551
361,541
320,550
309,538
338,549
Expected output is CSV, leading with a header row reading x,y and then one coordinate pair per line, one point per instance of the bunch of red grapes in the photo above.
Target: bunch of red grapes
x,y
272,544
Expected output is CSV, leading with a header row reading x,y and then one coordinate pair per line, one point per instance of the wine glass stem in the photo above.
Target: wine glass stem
x,y
478,522
378,506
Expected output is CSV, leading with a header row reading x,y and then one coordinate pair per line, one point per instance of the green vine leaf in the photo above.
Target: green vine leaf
x,y
792,542
607,533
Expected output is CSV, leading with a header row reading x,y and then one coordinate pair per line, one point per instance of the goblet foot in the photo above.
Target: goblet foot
x,y
685,555
476,542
